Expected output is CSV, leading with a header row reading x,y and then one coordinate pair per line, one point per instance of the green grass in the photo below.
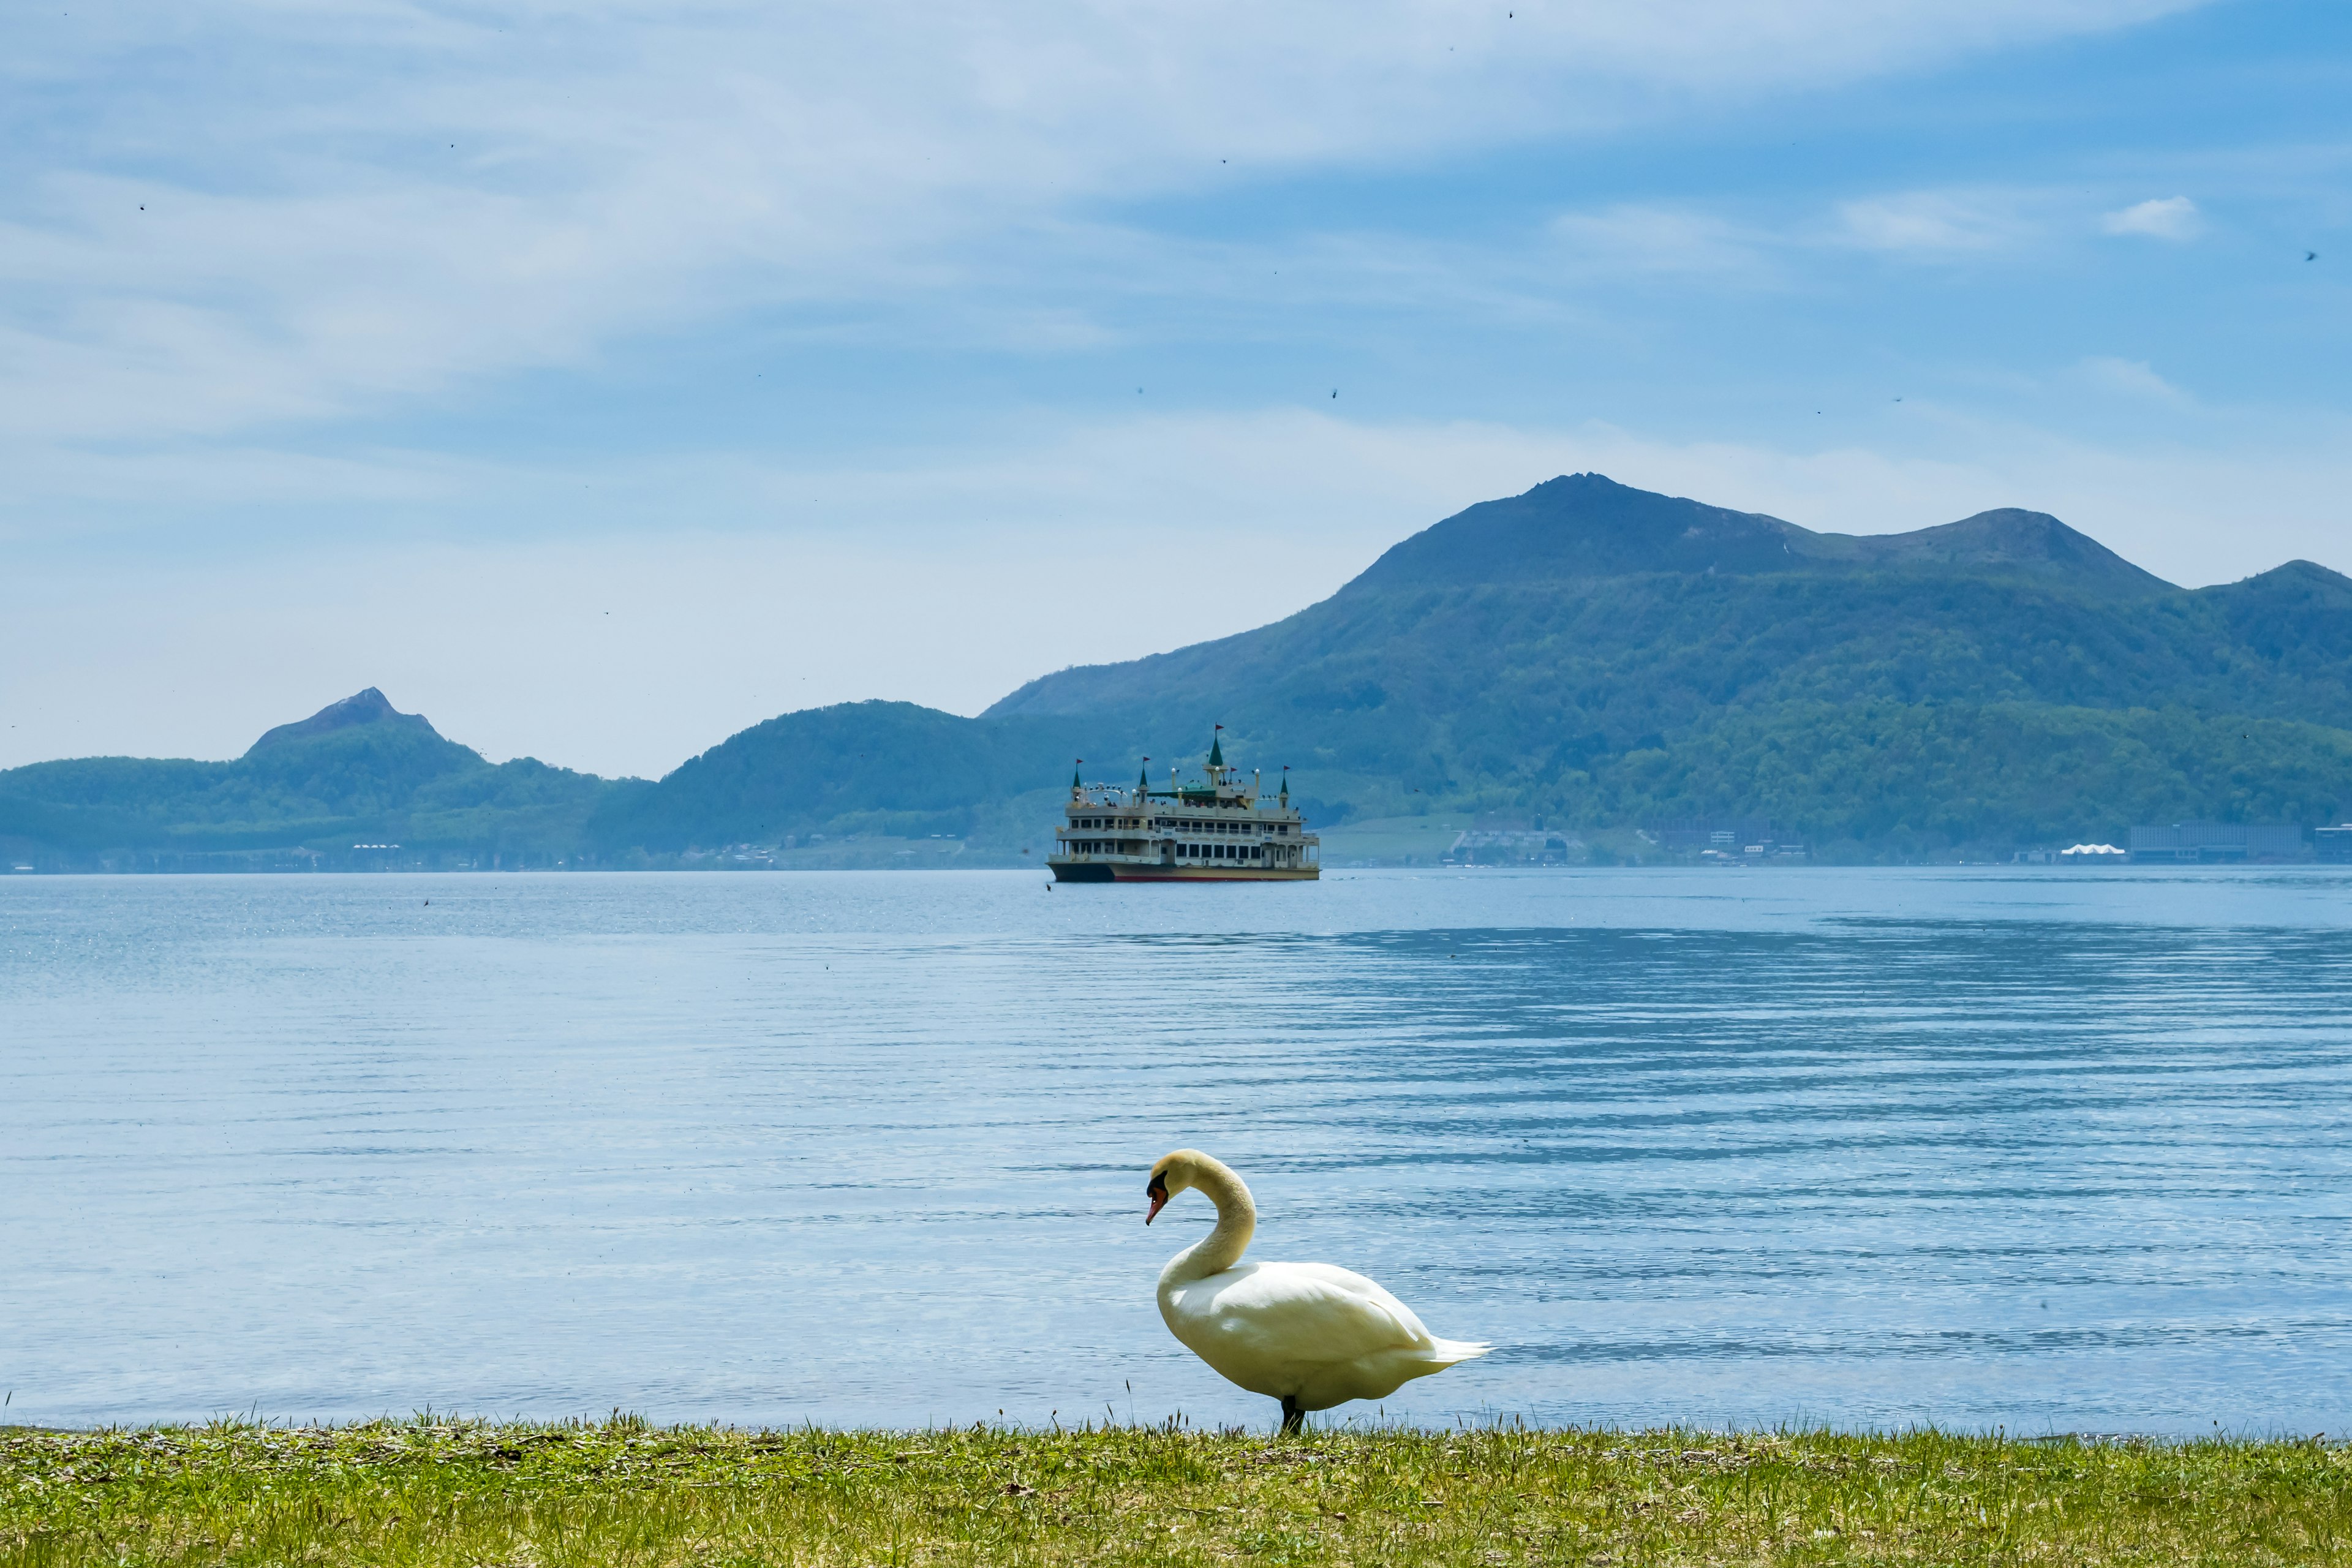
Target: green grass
x,y
437,1491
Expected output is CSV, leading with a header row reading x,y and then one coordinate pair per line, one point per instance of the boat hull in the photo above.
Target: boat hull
x,y
1114,871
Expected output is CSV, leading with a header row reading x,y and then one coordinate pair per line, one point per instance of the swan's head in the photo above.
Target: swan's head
x,y
1173,1173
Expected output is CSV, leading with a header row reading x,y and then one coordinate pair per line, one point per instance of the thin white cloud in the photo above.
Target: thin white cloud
x,y
2130,377
1662,241
346,209
1933,223
2170,217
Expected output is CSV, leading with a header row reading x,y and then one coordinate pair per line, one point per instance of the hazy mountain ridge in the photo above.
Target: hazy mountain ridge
x,y
890,768
1587,525
356,770
1599,654
1582,650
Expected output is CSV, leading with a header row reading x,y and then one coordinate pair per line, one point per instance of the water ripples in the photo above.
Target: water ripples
x,y
1865,1148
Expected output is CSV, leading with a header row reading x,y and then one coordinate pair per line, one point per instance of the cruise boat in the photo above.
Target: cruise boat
x,y
1221,831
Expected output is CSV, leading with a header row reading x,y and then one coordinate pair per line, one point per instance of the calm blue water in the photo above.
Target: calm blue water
x,y
2053,1150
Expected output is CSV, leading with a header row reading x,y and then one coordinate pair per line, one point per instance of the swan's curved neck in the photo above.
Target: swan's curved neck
x,y
1236,1223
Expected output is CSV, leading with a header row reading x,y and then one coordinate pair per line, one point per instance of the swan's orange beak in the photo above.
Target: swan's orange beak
x,y
1157,1193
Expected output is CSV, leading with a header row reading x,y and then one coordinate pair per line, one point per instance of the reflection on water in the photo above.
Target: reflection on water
x,y
2050,1150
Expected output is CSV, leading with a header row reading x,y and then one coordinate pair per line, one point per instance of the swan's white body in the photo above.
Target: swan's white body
x,y
1309,1334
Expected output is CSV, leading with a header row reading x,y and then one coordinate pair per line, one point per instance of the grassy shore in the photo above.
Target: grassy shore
x,y
434,1492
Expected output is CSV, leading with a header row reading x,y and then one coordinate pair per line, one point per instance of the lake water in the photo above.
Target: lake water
x,y
2051,1150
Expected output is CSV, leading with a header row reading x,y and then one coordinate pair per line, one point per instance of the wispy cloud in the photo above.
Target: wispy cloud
x,y
1663,241
2130,377
1933,223
303,213
2168,217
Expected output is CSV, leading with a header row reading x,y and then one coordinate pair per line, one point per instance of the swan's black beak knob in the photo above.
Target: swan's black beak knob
x,y
1157,1193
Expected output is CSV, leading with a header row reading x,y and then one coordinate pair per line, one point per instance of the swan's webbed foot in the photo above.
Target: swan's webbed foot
x,y
1293,1419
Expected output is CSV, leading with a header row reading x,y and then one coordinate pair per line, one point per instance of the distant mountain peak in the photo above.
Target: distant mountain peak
x,y
1585,525
1589,525
368,707
2007,537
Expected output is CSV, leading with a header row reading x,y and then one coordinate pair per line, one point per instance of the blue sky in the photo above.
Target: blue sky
x,y
601,379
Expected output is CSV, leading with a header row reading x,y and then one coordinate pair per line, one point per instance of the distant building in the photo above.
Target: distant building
x,y
1729,834
2073,855
2333,843
1512,847
1718,839
2215,843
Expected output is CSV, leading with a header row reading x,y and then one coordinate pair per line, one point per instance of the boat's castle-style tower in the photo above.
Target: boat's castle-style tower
x,y
1219,830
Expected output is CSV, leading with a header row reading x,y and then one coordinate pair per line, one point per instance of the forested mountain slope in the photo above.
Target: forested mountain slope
x,y
1606,655
355,772
1601,654
888,768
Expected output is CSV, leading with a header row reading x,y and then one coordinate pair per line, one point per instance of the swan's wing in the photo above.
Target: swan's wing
x,y
1302,1312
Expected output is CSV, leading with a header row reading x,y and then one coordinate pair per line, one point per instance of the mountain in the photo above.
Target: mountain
x,y
357,771
1607,655
363,710
1584,526
889,769
1597,653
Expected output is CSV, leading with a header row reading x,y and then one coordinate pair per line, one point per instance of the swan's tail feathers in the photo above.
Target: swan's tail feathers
x,y
1451,1352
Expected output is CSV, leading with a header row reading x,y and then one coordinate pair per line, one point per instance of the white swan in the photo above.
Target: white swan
x,y
1305,1333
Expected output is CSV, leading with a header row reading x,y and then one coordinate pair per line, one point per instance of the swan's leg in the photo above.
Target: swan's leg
x,y
1293,1419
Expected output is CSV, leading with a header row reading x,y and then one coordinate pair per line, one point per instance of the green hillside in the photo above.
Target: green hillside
x,y
355,773
1605,655
1600,655
873,769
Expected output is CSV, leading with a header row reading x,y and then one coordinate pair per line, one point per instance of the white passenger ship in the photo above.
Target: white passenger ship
x,y
1222,831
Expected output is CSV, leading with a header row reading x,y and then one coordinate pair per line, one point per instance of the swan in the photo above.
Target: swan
x,y
1308,1334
